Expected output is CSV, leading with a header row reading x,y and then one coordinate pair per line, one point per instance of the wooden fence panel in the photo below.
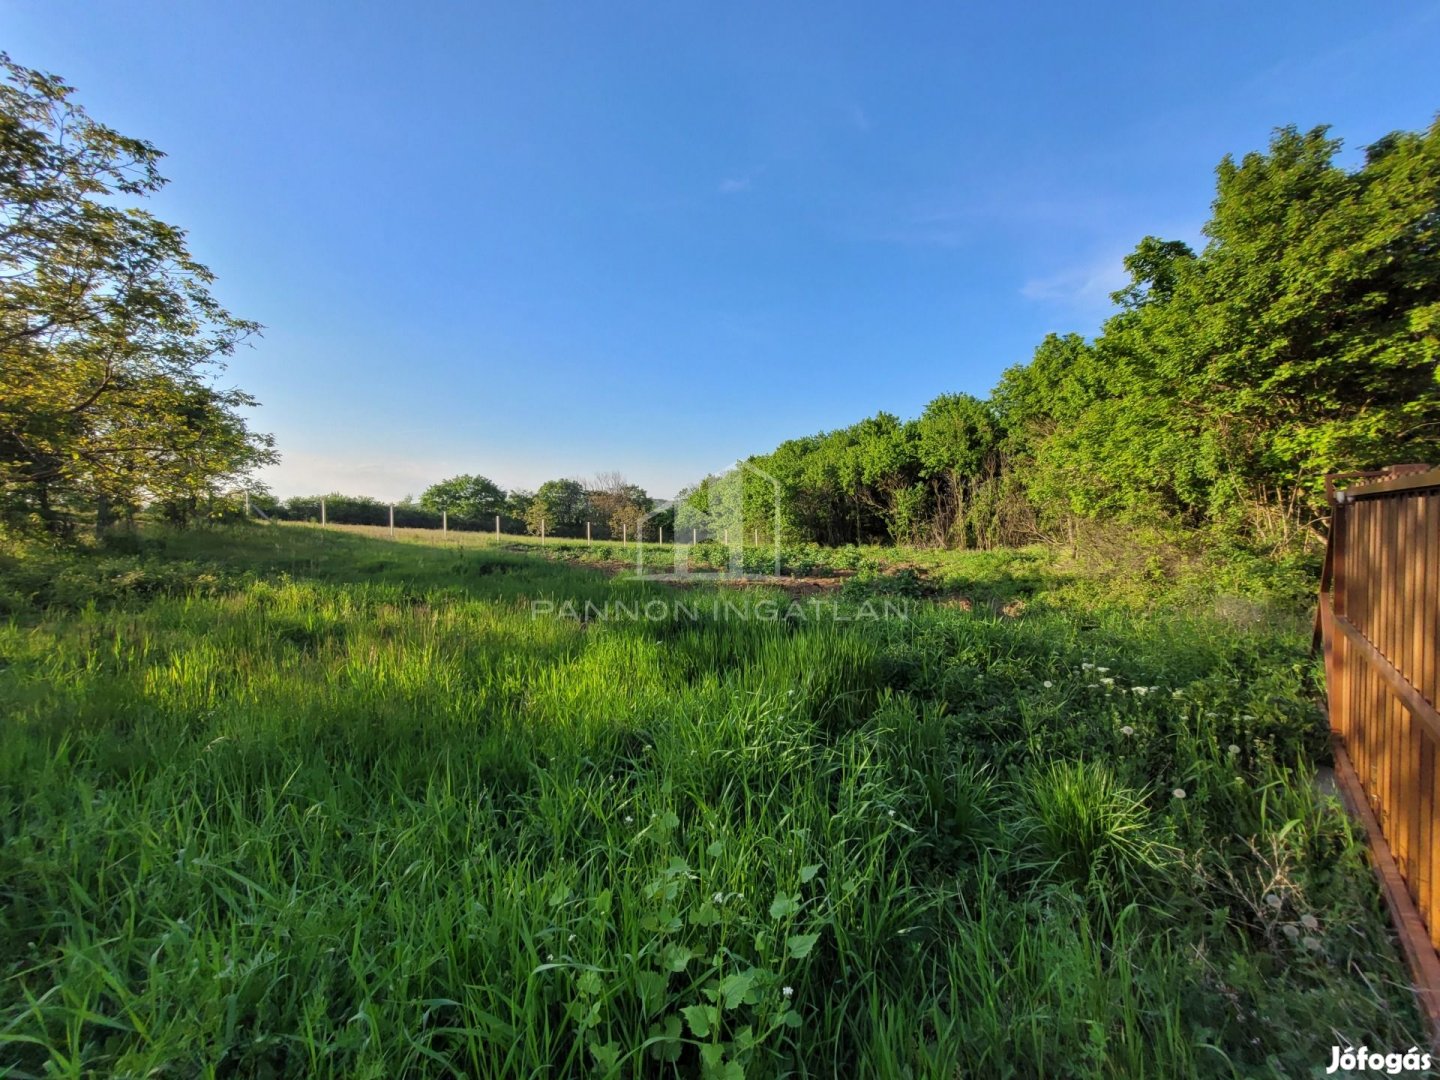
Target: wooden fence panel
x,y
1379,623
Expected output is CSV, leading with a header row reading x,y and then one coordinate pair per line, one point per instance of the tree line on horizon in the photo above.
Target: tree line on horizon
x,y
609,504
1302,339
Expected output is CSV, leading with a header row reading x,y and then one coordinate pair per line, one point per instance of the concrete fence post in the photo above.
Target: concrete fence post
x,y
322,512
444,522
392,521
587,532
497,528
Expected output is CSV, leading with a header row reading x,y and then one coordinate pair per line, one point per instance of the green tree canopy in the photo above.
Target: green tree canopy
x,y
1303,339
559,504
465,496
110,339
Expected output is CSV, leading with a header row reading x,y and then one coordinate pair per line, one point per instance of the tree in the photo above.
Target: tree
x,y
1303,339
1320,300
465,496
559,504
109,337
957,443
617,505
517,503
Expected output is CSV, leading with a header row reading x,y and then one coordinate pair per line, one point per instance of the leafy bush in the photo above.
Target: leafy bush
x,y
867,583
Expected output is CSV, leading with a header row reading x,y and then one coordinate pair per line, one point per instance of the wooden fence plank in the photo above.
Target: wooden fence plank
x,y
1389,677
1379,627
1420,954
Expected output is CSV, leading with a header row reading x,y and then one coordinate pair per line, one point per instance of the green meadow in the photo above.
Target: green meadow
x,y
279,801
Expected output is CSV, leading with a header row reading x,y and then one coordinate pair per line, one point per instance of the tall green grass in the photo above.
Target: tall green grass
x,y
284,803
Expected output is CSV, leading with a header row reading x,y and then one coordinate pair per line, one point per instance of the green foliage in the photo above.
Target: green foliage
x,y
278,801
465,496
109,336
1304,339
363,510
1090,830
866,583
558,506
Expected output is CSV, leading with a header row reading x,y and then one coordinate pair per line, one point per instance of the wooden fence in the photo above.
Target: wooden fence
x,y
1379,623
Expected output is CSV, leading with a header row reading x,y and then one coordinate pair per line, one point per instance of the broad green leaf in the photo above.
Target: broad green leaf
x,y
733,988
800,945
677,957
784,905
606,1056
700,1018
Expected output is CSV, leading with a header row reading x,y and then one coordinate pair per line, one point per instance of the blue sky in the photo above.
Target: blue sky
x,y
535,240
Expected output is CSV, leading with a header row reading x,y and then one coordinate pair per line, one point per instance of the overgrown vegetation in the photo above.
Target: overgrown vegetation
x,y
290,802
284,802
1303,340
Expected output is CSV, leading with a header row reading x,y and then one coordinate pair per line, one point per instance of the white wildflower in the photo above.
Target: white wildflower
x,y
1179,793
1127,731
1047,684
789,992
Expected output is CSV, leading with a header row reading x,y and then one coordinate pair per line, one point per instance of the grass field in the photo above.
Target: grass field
x,y
284,802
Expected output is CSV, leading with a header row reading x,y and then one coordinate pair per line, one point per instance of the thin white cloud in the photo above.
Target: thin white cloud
x,y
741,182
948,220
1087,285
929,229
